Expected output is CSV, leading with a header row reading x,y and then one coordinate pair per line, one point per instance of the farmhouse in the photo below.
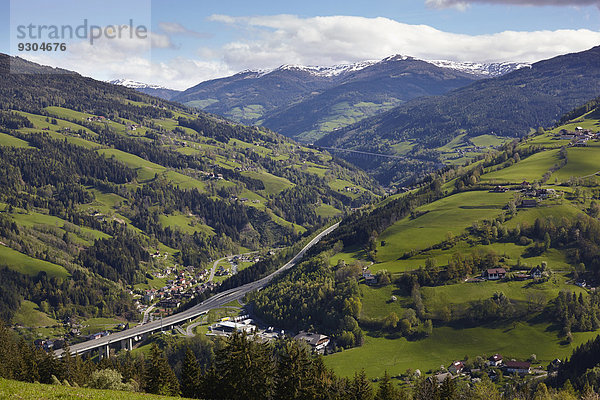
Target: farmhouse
x,y
517,367
370,279
499,189
456,367
316,341
493,274
536,273
528,203
495,360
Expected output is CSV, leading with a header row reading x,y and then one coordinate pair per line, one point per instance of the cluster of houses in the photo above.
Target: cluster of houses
x,y
97,119
579,137
351,189
494,274
528,191
184,286
509,367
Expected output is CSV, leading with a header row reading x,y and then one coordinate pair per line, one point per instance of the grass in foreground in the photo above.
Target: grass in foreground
x,y
37,391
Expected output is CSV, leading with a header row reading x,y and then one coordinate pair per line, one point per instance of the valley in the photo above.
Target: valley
x,y
413,226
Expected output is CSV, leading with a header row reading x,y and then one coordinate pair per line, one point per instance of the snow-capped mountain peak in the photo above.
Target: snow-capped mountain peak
x,y
327,72
488,70
398,57
484,70
134,84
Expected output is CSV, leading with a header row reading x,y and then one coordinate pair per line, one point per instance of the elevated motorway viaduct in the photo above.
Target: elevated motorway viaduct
x,y
125,339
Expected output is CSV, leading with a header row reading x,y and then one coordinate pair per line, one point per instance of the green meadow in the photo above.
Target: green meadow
x,y
446,344
273,184
451,214
29,266
529,169
36,391
31,316
185,223
327,211
581,161
11,141
146,170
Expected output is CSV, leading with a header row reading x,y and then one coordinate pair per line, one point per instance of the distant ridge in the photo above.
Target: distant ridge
x,y
152,90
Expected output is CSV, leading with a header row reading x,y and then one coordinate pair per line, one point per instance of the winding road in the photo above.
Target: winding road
x,y
126,338
216,263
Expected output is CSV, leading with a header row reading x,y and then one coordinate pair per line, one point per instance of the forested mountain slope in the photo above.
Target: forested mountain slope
x,y
411,275
507,106
95,178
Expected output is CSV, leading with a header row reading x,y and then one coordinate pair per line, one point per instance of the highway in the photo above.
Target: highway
x,y
127,337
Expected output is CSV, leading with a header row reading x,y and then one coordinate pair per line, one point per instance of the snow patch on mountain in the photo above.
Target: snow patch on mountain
x,y
326,72
488,70
135,85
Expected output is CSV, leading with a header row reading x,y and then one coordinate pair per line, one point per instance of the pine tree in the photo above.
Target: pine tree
x,y
190,375
386,391
246,368
160,378
448,389
293,378
541,393
426,389
361,387
209,384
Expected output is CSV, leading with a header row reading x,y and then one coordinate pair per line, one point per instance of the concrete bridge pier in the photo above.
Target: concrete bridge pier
x,y
104,351
127,344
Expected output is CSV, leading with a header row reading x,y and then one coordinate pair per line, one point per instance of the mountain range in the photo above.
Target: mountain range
x,y
306,102
508,106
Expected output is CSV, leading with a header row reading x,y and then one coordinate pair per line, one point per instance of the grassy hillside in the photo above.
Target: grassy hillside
x,y
471,223
99,177
35,391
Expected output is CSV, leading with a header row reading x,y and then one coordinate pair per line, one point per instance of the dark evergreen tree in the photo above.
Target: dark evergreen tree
x,y
190,375
386,390
160,378
361,388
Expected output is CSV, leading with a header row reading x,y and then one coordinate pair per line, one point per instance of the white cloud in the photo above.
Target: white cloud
x,y
462,4
109,59
175,28
286,39
270,41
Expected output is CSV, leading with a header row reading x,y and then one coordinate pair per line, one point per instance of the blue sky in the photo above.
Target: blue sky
x,y
197,40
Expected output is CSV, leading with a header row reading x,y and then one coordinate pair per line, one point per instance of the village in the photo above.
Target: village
x,y
185,283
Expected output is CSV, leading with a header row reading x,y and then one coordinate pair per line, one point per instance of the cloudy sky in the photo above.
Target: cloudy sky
x,y
194,40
